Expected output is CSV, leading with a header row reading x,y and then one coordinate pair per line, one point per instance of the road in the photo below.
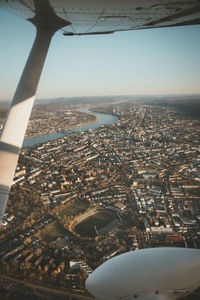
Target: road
x,y
42,292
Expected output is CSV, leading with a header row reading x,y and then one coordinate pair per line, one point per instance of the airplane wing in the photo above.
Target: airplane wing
x,y
148,297
147,274
108,16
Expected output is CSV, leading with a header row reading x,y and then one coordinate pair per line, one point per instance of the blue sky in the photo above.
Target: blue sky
x,y
158,61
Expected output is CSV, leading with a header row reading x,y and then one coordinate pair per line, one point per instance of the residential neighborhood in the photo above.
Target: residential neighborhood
x,y
79,200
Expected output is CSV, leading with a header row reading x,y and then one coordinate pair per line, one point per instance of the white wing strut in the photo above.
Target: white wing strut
x,y
47,23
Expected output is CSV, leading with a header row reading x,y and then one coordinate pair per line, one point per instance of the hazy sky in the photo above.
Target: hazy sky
x,y
158,61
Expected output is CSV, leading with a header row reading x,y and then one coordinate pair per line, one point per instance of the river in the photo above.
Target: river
x,y
103,119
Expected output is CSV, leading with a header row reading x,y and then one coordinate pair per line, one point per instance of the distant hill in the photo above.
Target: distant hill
x,y
187,105
84,100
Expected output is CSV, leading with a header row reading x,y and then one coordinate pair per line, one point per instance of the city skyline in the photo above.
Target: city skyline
x,y
157,61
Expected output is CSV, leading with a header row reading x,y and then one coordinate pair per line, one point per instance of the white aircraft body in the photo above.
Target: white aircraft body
x,y
147,274
160,273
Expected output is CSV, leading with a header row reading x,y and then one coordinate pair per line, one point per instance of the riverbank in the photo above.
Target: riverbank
x,y
98,121
86,124
83,124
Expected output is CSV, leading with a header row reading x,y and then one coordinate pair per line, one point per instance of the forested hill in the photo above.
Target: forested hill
x,y
187,106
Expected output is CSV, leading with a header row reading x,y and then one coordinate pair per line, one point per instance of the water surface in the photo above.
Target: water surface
x,y
103,119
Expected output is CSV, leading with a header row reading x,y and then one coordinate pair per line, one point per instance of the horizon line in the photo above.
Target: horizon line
x,y
109,96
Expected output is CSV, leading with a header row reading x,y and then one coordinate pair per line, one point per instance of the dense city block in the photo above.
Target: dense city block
x,y
82,199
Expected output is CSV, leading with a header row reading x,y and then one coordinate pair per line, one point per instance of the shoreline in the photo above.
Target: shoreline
x,y
70,128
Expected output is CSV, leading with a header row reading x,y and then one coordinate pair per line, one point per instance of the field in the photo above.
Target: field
x,y
100,220
76,208
53,232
